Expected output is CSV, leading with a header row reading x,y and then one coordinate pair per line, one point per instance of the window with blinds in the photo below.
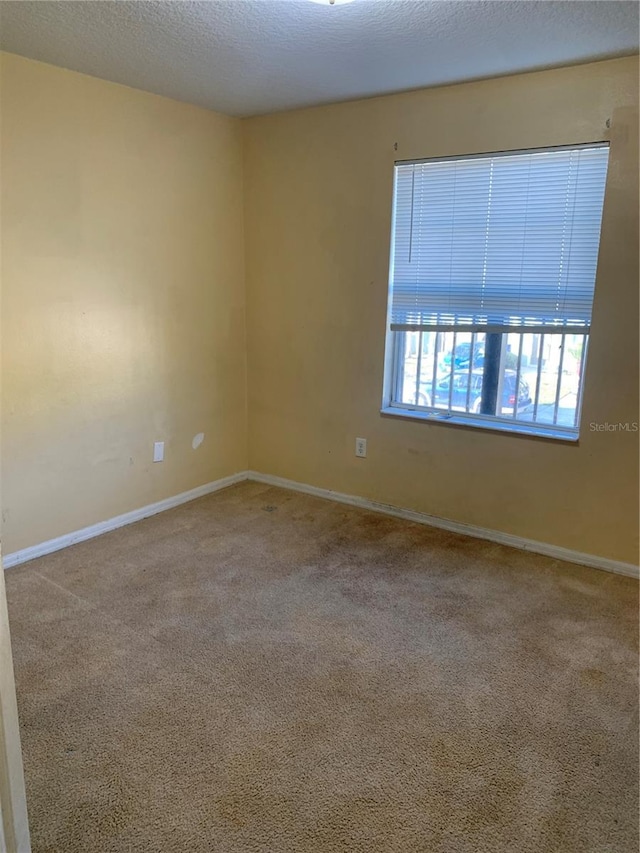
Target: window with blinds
x,y
492,276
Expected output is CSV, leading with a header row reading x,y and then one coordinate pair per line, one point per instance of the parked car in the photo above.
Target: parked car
x,y
463,355
458,391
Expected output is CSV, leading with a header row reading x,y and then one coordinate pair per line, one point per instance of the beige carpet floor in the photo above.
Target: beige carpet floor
x,y
265,672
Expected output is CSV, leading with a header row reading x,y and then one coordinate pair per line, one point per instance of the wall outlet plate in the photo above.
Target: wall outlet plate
x,y
158,451
361,447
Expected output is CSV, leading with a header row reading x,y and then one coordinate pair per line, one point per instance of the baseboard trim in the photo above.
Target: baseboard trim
x,y
60,542
519,542
554,551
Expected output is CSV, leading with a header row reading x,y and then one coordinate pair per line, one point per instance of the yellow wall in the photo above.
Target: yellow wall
x,y
123,296
123,316
318,186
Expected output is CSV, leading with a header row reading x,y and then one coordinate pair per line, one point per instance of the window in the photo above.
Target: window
x,y
492,275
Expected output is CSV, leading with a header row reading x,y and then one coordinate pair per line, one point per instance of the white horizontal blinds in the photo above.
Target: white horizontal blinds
x,y
498,240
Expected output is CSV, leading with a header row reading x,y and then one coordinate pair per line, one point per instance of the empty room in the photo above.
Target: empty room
x,y
319,426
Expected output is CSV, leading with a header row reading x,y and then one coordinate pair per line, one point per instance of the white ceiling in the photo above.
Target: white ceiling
x,y
245,57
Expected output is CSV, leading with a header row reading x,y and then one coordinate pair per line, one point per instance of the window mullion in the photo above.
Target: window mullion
x,y
559,383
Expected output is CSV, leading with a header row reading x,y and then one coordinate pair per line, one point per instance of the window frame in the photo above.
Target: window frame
x,y
497,423
394,361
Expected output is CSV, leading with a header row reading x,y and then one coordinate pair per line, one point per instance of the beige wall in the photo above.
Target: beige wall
x,y
124,304
123,299
318,187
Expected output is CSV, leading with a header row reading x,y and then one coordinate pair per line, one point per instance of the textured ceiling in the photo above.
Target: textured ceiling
x,y
245,57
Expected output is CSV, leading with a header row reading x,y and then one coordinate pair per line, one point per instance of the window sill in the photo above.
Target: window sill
x,y
461,420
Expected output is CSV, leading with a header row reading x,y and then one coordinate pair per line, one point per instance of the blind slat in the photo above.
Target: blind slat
x,y
506,239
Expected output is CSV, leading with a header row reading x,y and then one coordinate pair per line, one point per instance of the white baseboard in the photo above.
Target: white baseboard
x,y
547,550
101,527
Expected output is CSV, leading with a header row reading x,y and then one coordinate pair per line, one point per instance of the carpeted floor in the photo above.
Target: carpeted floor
x,y
265,672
